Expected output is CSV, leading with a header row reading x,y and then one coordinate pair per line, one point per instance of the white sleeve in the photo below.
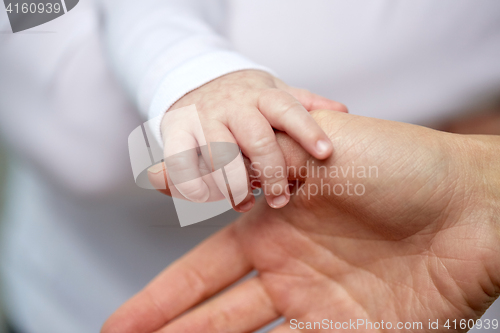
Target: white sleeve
x,y
163,49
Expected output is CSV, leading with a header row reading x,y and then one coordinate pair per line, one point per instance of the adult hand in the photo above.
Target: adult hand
x,y
241,108
421,244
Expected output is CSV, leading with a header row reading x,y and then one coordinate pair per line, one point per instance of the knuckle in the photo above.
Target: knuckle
x,y
273,94
288,106
219,321
274,186
196,282
191,190
156,304
274,180
280,102
263,146
177,162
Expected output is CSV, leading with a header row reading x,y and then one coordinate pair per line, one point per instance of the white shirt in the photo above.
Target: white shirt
x,y
79,237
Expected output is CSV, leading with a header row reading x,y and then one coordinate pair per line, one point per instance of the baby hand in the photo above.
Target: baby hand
x,y
243,108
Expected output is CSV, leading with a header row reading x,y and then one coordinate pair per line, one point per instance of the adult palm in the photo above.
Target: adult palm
x,y
415,243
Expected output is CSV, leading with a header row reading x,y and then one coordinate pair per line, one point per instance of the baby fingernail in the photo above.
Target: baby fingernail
x,y
279,201
322,146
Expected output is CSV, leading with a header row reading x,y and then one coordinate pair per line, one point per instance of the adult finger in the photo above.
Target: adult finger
x,y
258,142
210,267
244,308
287,114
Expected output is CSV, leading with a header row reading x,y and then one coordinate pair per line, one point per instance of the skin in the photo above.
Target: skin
x,y
243,108
421,244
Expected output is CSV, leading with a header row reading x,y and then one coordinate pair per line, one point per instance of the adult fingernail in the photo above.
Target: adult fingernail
x,y
280,201
157,168
323,146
